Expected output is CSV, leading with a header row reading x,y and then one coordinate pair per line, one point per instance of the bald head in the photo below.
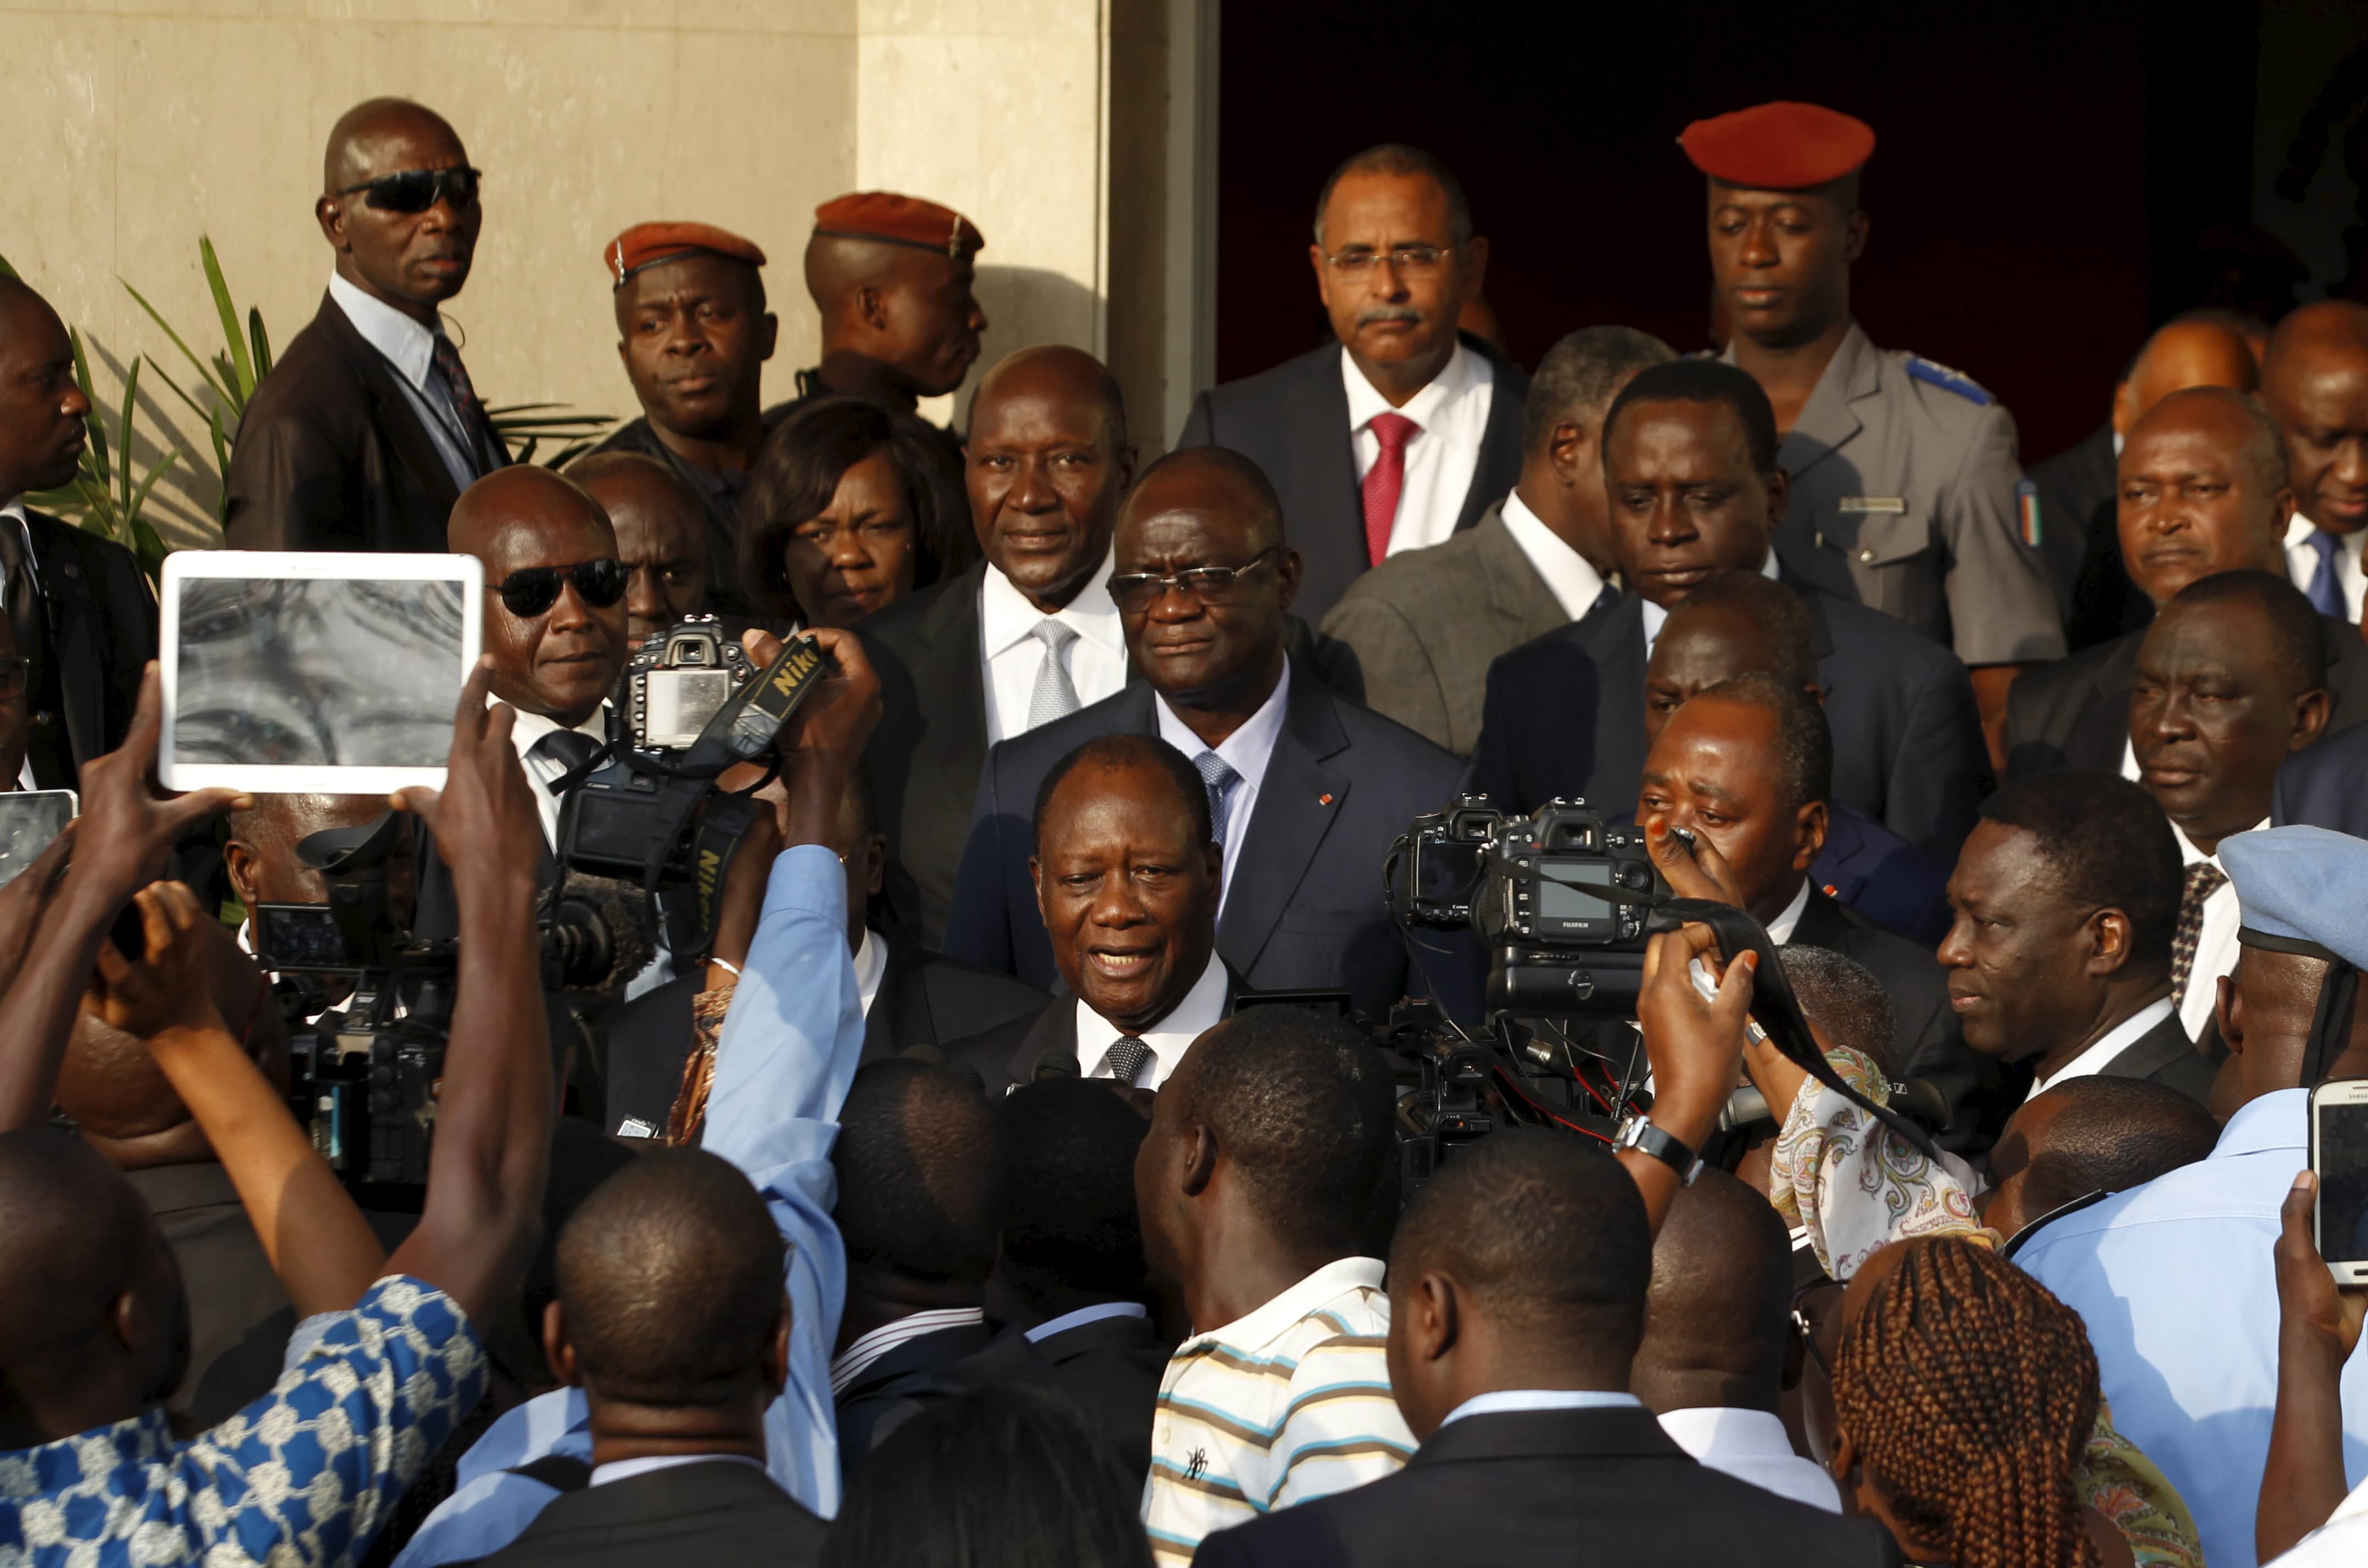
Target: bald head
x,y
661,527
1716,1316
1056,373
563,659
2201,490
1215,481
407,243
2184,353
2315,381
367,135
1045,465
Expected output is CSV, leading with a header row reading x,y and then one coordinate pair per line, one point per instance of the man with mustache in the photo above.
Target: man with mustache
x,y
694,334
1408,431
82,620
368,428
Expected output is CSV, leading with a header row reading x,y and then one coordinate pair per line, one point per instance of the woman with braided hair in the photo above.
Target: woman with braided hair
x,y
1964,1395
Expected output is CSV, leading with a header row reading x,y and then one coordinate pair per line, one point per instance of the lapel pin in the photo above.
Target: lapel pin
x,y
1322,799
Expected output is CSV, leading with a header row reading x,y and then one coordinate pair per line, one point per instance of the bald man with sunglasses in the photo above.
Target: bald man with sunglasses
x,y
368,428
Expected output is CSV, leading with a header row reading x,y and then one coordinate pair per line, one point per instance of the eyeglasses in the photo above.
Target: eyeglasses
x,y
531,590
416,190
13,668
1135,592
1416,259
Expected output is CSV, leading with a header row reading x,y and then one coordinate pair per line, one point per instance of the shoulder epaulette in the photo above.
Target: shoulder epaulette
x,y
1941,376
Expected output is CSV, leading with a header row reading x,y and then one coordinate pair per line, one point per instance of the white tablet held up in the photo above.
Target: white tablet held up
x,y
302,672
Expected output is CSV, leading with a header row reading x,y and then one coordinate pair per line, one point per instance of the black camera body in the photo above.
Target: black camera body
x,y
1557,948
1436,865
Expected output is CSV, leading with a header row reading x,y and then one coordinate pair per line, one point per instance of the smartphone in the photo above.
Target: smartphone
x,y
30,821
2339,1152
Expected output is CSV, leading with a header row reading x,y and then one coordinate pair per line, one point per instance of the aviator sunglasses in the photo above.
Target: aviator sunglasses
x,y
416,190
531,590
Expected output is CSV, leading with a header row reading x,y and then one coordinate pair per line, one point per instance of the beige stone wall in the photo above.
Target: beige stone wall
x,y
136,126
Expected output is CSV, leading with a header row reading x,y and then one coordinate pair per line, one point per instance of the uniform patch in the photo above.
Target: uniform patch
x,y
1941,376
2026,501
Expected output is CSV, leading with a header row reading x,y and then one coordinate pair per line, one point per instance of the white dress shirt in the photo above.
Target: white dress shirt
x,y
2302,561
539,770
870,968
2118,1039
1779,930
1503,1402
409,347
1012,656
1654,615
1441,457
1574,585
1246,751
1203,1008
1750,1445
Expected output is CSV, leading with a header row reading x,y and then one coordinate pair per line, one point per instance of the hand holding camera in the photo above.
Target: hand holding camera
x,y
170,987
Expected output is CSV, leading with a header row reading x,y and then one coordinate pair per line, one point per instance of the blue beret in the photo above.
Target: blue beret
x,y
2302,885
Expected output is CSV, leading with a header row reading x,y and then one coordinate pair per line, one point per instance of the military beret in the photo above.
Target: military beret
x,y
1778,146
646,245
893,220
2298,890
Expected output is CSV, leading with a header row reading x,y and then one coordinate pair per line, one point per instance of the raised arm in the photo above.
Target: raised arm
x,y
320,1245
1696,1050
492,1150
2318,1328
120,846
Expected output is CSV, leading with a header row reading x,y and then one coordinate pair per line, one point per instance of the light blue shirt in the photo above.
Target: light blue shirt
x,y
2175,1282
784,1063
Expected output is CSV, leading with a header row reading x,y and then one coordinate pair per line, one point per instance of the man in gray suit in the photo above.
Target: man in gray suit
x,y
1422,627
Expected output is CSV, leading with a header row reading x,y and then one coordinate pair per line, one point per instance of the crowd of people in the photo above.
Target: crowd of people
x,y
1023,1168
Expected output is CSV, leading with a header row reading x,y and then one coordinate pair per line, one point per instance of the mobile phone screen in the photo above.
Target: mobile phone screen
x,y
2342,1165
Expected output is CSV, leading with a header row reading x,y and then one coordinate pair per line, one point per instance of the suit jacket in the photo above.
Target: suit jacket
x,y
1550,1487
1424,627
1565,715
1005,1055
886,1385
924,755
239,1315
925,998
2326,785
1928,1042
2165,1055
1305,911
2070,487
722,1514
330,455
101,619
2076,711
1292,421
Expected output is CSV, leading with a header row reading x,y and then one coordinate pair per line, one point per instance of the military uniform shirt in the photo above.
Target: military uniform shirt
x,y
1903,498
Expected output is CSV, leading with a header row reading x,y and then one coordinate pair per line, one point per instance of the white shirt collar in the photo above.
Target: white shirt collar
x,y
2188,855
540,772
1083,1316
2300,529
1006,619
2118,1039
1295,1302
870,967
408,345
625,1469
1365,401
1246,751
1503,1401
1203,1009
851,1363
1779,930
1574,585
1654,615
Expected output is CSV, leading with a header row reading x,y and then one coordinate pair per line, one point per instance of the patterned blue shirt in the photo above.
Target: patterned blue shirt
x,y
305,1475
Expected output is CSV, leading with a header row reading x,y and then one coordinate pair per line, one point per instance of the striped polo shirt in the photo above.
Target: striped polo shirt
x,y
1289,1403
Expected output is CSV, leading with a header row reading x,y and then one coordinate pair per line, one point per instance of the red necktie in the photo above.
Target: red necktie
x,y
1384,481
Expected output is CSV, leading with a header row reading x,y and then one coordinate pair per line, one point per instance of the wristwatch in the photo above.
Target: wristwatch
x,y
1638,1132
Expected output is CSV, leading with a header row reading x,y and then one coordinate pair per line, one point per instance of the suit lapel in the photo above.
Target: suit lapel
x,y
1055,1026
1324,466
1615,641
896,1016
1517,594
956,690
1298,801
390,409
1499,467
2151,1051
74,638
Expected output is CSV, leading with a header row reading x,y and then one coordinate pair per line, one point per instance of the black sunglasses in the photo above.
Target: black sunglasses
x,y
416,190
531,590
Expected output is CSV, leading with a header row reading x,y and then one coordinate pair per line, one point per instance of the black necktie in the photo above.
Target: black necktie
x,y
565,749
23,597
1126,1057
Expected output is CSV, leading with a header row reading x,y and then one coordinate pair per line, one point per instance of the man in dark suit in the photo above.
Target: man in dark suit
x,y
1021,637
1308,791
672,1319
910,995
368,428
2068,896
1563,715
1517,1283
1744,767
2326,785
84,618
2203,491
1423,626
1123,882
1406,431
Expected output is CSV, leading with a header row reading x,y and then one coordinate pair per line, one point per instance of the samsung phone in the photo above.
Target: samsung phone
x,y
2339,1152
30,821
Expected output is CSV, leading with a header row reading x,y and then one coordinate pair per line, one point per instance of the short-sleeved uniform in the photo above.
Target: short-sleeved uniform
x,y
1904,498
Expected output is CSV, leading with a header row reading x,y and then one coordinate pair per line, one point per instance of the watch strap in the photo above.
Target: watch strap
x,y
1639,1134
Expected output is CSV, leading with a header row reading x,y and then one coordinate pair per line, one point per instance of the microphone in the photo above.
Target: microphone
x,y
600,934
1055,1061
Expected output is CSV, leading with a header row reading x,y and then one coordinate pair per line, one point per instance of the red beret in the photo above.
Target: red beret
x,y
1778,146
646,245
895,220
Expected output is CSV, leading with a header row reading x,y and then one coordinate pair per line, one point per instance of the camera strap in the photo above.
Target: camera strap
x,y
727,821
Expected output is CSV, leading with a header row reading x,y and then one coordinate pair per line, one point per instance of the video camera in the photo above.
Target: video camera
x,y
646,808
1566,904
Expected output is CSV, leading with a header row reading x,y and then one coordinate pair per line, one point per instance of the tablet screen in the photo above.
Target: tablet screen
x,y
316,672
